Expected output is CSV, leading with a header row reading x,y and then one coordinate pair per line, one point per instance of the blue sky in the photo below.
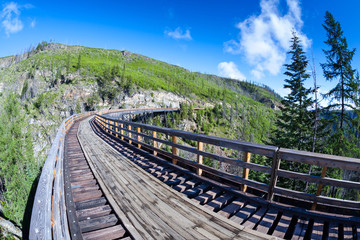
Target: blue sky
x,y
232,38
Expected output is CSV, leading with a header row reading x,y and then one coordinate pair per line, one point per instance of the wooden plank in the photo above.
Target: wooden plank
x,y
245,173
84,183
274,176
199,157
186,185
191,193
300,228
320,159
170,176
317,231
318,192
178,180
208,196
282,226
244,213
267,221
320,199
319,179
139,137
174,150
94,212
333,231
90,203
232,208
129,127
85,189
154,143
98,223
255,218
82,196
109,233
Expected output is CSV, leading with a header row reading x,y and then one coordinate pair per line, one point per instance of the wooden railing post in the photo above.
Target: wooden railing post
x,y
274,176
139,137
245,174
200,146
129,127
116,129
175,151
318,192
122,131
154,142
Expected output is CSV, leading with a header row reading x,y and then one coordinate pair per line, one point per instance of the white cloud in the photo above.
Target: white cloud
x,y
265,39
178,33
230,70
10,17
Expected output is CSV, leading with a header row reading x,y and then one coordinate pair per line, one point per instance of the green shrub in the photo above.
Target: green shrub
x,y
17,165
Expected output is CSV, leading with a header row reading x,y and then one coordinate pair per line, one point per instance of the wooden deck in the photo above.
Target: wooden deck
x,y
147,207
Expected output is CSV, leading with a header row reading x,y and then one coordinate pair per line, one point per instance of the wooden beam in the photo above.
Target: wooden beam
x,y
154,142
274,176
116,129
129,127
174,151
139,137
200,146
318,192
247,157
122,131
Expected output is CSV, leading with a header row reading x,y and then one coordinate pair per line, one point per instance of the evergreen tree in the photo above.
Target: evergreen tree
x,y
338,66
343,95
294,126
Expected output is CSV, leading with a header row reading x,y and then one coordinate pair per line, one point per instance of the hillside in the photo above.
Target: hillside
x,y
54,81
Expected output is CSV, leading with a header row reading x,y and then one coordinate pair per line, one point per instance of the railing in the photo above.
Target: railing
x,y
49,218
138,134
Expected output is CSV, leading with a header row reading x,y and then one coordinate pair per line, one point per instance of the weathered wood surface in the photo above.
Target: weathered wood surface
x,y
223,142
48,217
153,209
269,151
40,227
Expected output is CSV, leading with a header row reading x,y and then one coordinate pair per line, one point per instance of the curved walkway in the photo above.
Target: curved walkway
x,y
148,208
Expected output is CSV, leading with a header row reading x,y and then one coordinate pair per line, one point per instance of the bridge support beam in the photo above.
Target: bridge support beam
x,y
175,151
129,127
200,146
274,176
122,131
245,174
318,192
154,142
139,137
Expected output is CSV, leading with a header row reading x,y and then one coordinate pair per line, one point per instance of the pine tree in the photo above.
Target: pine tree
x,y
338,66
343,95
294,126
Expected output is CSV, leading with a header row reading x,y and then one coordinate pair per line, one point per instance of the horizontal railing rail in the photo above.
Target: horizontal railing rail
x,y
49,217
117,124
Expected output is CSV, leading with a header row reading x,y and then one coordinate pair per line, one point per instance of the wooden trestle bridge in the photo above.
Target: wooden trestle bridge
x,y
108,176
